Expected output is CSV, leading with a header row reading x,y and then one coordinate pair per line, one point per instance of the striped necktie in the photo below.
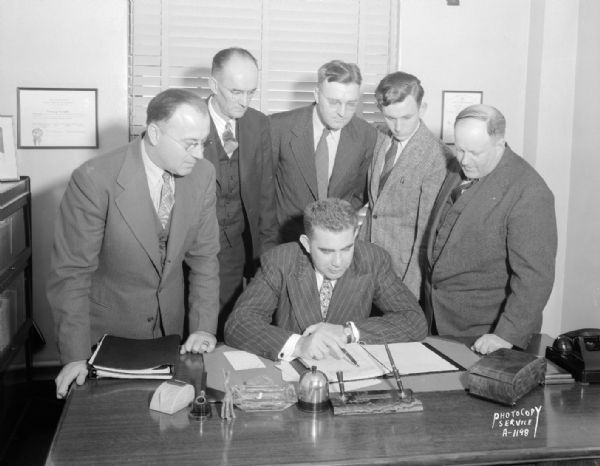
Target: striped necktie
x,y
167,200
388,165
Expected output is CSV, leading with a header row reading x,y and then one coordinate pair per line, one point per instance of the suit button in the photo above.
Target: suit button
x,y
374,215
150,319
435,287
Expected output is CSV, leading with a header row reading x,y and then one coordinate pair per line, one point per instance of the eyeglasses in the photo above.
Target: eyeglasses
x,y
238,94
349,105
191,146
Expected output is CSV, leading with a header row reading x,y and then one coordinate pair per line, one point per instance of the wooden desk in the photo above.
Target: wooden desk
x,y
108,422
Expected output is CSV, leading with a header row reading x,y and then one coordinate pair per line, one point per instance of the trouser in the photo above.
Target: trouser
x,y
232,261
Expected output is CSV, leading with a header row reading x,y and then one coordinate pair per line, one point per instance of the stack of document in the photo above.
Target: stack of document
x,y
128,358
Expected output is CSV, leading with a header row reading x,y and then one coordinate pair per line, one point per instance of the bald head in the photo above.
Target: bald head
x,y
491,116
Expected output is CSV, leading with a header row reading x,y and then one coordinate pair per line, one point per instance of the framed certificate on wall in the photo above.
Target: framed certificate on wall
x,y
452,103
52,118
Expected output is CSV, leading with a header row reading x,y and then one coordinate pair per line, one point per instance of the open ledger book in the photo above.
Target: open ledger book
x,y
128,358
410,358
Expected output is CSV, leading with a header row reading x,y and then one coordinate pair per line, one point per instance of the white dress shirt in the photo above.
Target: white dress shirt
x,y
154,176
220,123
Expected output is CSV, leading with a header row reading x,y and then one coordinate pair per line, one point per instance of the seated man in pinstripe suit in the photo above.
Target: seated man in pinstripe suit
x,y
311,298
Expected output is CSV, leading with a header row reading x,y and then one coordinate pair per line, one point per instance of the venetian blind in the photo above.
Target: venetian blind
x,y
172,43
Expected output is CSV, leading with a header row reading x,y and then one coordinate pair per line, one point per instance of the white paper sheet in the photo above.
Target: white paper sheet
x,y
411,358
242,360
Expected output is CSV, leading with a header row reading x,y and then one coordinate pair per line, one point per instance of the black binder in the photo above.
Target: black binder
x,y
129,358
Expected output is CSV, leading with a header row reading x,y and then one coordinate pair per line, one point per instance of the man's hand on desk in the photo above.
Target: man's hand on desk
x,y
73,371
320,341
199,342
489,343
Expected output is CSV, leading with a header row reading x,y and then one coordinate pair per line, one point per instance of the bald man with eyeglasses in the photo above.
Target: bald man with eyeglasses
x,y
240,151
127,222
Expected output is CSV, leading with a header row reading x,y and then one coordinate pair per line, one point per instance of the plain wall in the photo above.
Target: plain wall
x,y
62,43
480,45
581,301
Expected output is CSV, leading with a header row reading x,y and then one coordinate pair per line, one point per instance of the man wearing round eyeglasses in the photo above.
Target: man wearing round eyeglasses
x,y
127,223
240,151
323,149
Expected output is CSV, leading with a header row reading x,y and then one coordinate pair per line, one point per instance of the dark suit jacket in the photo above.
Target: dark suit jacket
x,y
256,176
283,299
295,172
106,274
397,218
491,264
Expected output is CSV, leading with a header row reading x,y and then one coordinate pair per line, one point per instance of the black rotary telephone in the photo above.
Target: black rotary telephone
x,y
578,352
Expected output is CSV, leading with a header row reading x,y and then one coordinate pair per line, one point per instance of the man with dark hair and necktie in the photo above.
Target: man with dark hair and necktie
x,y
408,168
492,242
127,222
311,297
240,151
323,149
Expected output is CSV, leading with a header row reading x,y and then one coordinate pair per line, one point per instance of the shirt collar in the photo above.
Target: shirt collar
x,y
404,142
320,278
218,120
318,128
153,172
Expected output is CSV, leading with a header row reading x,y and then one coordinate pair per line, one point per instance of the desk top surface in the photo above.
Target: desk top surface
x,y
108,422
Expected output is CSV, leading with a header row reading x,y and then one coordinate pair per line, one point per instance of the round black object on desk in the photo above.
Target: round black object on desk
x,y
201,408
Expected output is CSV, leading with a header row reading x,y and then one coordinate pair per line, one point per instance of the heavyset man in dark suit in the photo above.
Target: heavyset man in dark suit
x,y
408,168
493,238
321,150
127,222
310,298
241,154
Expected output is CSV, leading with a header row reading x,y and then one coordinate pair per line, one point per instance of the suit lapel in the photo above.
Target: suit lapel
x,y
481,192
246,137
135,205
346,159
302,145
303,293
381,147
342,306
211,152
185,202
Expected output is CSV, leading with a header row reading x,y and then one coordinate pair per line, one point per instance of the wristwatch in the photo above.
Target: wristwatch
x,y
351,332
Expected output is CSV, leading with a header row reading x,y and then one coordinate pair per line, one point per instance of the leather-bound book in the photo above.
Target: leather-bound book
x,y
506,375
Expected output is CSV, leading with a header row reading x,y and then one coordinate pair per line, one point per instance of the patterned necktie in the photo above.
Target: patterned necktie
x,y
322,165
167,199
325,296
461,188
230,143
388,165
